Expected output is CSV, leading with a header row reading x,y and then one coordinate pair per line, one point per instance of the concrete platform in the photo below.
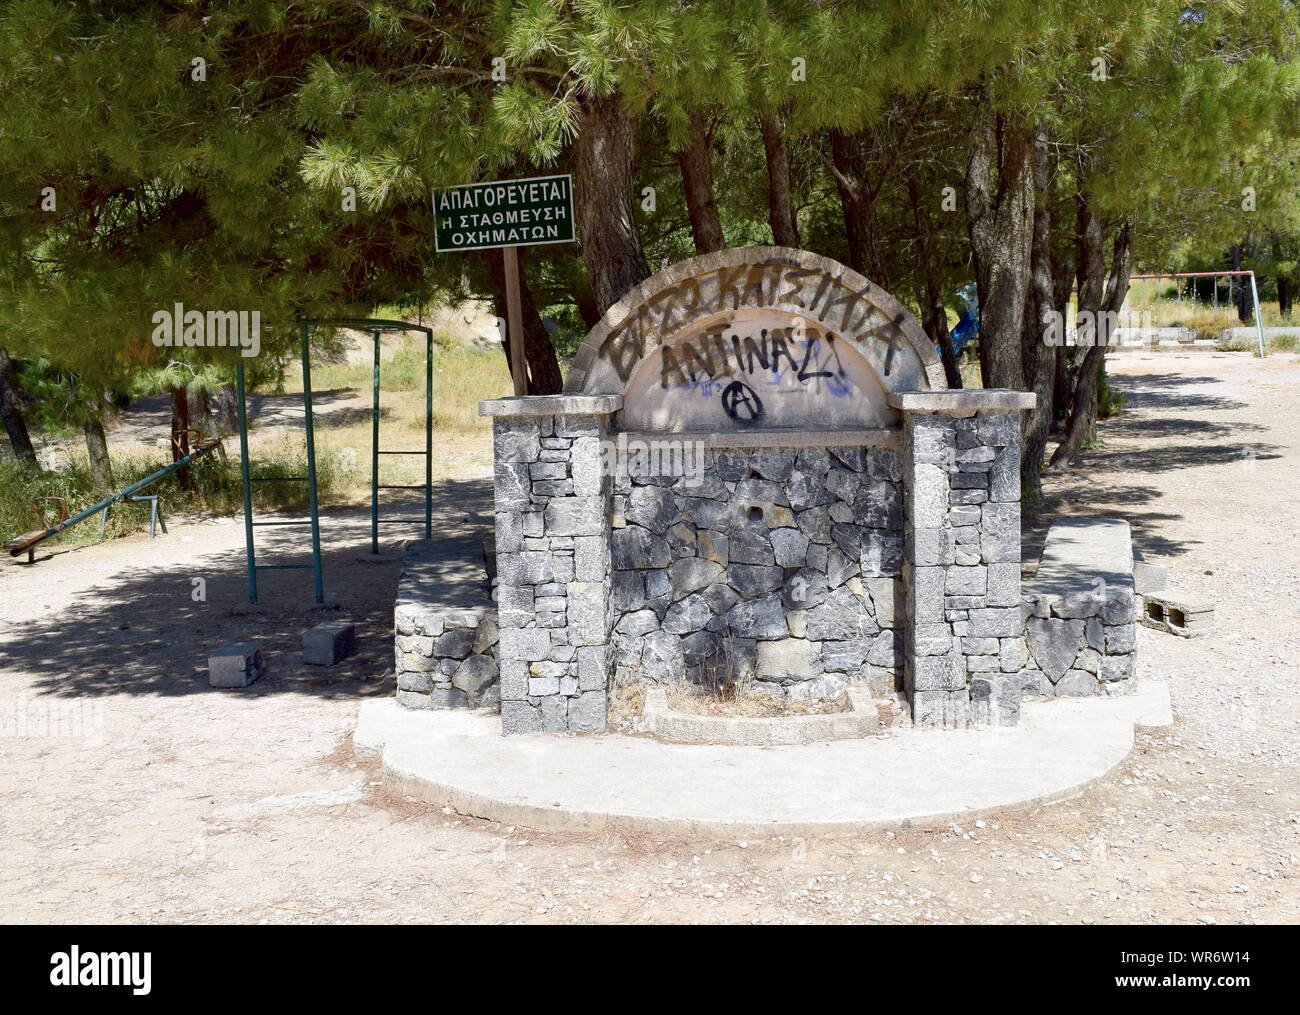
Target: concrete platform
x,y
906,779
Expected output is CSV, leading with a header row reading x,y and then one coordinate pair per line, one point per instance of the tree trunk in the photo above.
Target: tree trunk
x,y
859,207
1242,287
603,165
543,367
180,438
11,409
1284,296
1083,414
1000,210
101,469
697,182
201,411
780,190
226,402
1039,358
934,316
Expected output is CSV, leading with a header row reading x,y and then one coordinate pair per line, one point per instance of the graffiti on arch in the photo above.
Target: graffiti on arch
x,y
763,335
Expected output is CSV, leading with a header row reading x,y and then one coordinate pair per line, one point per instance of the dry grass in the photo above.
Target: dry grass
x,y
626,703
462,440
744,703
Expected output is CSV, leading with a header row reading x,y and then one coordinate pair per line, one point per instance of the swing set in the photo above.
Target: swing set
x,y
1215,275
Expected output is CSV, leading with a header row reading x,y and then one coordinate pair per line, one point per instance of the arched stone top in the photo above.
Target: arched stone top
x,y
756,337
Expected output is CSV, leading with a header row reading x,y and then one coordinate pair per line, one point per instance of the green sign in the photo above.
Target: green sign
x,y
508,213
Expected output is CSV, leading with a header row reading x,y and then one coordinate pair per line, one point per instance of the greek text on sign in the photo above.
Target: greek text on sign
x,y
507,213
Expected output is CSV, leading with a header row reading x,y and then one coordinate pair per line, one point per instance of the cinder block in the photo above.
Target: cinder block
x,y
1186,616
328,643
235,665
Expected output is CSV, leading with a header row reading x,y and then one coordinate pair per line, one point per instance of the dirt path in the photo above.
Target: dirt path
x,y
189,805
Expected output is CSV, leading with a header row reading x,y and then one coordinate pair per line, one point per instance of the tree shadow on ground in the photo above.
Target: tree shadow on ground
x,y
142,632
1170,391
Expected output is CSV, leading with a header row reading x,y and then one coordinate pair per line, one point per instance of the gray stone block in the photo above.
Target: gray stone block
x,y
804,589
412,699
845,656
455,643
1004,476
1054,644
929,506
967,581
328,643
752,580
938,673
577,516
589,712
635,548
516,439
761,618
475,675
235,665
841,617
1003,584
527,644
996,623
1077,684
1000,533
520,717
932,547
512,487
1116,667
790,547
933,640
691,574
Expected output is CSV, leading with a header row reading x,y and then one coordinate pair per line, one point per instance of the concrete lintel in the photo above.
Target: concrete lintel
x,y
961,401
551,405
875,437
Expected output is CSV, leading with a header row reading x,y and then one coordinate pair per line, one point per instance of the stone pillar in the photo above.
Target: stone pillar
x,y
965,642
553,560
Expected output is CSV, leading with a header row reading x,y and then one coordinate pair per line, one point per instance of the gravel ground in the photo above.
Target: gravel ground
x,y
175,803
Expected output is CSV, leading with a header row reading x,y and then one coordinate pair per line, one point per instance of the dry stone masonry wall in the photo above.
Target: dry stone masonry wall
x,y
445,627
840,520
769,566
1081,612
553,561
962,573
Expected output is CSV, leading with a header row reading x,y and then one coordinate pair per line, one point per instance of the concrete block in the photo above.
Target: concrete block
x,y
329,643
235,665
1186,616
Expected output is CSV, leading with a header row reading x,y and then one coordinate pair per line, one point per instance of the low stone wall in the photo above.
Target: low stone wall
x,y
1081,610
775,567
445,627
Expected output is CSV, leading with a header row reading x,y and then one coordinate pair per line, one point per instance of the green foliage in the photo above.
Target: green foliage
x,y
1110,402
231,192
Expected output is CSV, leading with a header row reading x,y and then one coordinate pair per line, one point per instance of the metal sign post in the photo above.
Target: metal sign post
x,y
508,214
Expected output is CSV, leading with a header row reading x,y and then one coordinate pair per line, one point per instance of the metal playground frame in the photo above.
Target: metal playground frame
x,y
376,327
1254,293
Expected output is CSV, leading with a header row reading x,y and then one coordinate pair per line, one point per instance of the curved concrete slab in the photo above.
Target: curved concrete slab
x,y
459,759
